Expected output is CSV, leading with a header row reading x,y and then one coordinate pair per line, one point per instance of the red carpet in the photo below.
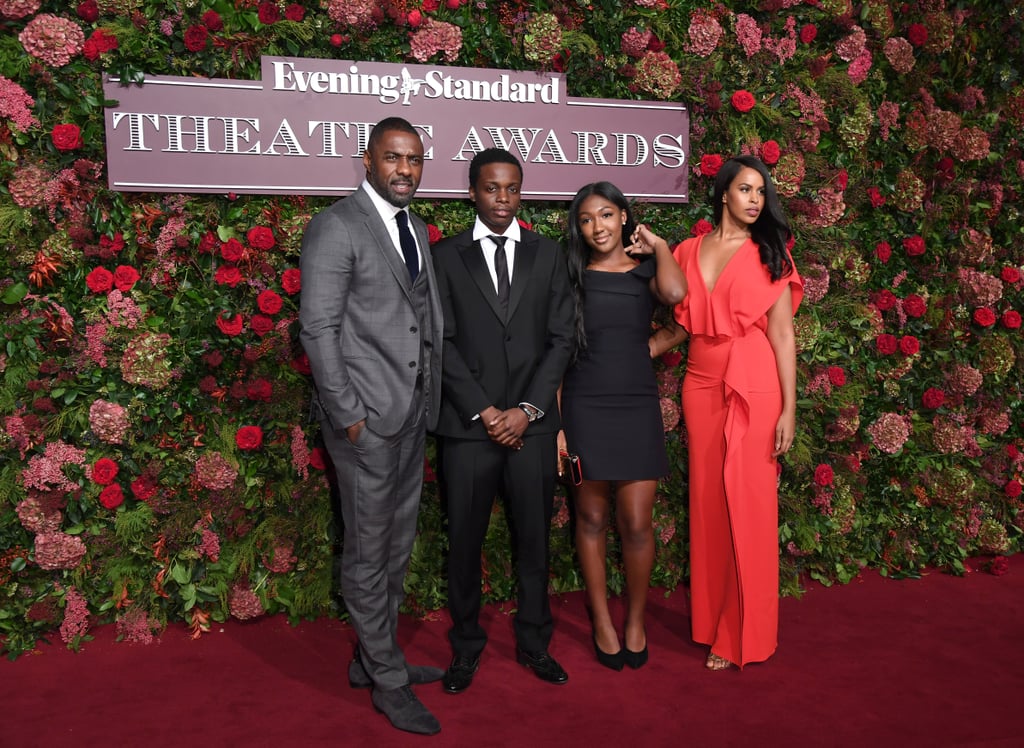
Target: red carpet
x,y
932,662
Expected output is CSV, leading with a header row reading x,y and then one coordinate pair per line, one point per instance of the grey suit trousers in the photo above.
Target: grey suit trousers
x,y
379,481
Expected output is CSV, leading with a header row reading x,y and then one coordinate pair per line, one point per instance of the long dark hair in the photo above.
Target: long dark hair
x,y
770,231
579,251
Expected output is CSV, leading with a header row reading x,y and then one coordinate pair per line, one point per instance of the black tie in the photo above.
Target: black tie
x,y
412,258
501,271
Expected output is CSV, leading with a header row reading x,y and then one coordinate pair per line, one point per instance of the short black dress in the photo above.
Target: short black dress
x,y
611,411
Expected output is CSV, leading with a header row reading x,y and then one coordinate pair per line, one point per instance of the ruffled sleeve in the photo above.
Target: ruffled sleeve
x,y
741,298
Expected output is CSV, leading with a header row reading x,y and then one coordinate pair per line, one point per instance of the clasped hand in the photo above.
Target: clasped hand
x,y
505,427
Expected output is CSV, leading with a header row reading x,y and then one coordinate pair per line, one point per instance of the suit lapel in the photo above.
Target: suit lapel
x,y
473,257
526,255
379,232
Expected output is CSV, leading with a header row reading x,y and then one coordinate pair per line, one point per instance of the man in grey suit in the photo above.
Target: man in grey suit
x,y
371,324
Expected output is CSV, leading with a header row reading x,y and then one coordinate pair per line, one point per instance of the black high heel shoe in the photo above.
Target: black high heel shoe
x,y
613,661
635,660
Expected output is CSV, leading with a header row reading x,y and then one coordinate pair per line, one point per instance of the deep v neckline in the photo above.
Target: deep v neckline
x,y
696,258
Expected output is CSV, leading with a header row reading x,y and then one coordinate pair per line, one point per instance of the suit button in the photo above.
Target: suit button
x,y
412,364
413,329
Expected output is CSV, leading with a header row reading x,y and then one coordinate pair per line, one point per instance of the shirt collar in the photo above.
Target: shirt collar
x,y
512,232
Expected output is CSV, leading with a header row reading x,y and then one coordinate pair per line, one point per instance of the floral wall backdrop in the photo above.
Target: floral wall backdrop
x,y
156,460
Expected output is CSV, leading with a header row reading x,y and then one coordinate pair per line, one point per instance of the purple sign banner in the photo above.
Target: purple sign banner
x,y
303,128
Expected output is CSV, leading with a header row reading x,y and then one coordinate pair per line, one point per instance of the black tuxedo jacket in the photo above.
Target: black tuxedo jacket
x,y
490,360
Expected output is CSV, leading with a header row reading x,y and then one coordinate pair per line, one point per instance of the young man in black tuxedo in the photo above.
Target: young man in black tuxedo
x,y
508,327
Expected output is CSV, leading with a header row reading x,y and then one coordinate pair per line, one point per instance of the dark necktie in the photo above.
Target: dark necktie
x,y
412,258
501,270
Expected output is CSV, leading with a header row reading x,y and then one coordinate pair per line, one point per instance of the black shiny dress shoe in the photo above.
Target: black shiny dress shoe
x,y
543,666
460,673
635,660
613,661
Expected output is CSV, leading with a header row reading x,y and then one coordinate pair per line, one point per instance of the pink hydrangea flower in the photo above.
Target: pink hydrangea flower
x,y
52,39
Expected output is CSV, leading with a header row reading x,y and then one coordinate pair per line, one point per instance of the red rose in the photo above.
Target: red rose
x,y
743,101
431,5
295,12
883,252
196,37
261,237
125,277
671,359
259,389
301,364
998,566
525,224
933,398
886,344
99,280
843,178
654,44
208,242
770,152
232,250
316,458
111,246
710,164
917,34
808,33
336,40
877,201
823,475
88,11
836,376
231,326
453,4
984,316
66,137
212,20
914,245
268,13
414,19
885,300
1011,319
249,437
1010,274
104,471
98,43
144,488
269,302
112,497
291,281
701,227
228,275
261,324
914,305
1012,489
909,345
434,234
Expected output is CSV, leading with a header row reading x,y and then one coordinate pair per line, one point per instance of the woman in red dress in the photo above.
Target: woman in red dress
x,y
739,405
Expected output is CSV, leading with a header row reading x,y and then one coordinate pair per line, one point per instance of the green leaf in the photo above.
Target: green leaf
x,y
14,294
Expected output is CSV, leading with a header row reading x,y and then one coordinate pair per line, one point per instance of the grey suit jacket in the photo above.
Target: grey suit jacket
x,y
358,320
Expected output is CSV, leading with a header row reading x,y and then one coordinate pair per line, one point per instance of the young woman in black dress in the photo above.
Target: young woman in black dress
x,y
611,413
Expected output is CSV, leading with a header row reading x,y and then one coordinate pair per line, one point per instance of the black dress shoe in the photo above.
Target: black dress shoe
x,y
405,711
543,666
418,674
635,660
613,661
460,673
